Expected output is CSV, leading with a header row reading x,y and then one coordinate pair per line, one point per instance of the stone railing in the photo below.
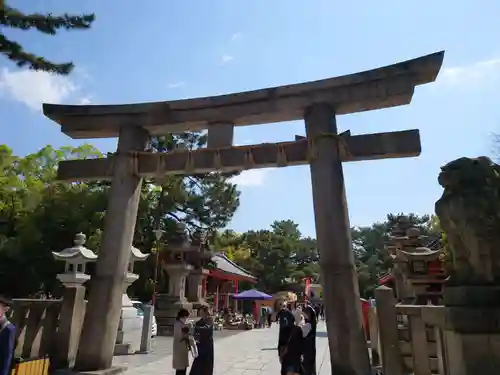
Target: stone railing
x,y
48,327
407,338
36,324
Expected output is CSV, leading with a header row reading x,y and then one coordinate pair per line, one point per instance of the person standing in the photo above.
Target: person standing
x,y
183,343
204,336
309,343
286,322
269,317
7,338
291,353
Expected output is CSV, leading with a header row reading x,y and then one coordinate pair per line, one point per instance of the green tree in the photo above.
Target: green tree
x,y
369,242
12,18
39,214
279,257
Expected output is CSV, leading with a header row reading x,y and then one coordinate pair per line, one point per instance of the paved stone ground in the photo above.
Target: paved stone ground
x,y
246,353
161,347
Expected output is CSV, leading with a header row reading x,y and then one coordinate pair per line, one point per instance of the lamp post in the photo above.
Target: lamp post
x,y
158,234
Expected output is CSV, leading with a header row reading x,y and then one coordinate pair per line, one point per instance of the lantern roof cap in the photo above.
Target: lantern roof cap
x,y
137,254
77,252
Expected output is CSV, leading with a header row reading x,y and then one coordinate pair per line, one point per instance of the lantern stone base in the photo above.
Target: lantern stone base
x,y
471,333
166,310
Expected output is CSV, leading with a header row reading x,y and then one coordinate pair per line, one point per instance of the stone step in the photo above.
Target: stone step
x,y
123,349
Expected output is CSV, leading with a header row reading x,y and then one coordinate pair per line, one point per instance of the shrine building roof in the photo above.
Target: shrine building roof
x,y
227,266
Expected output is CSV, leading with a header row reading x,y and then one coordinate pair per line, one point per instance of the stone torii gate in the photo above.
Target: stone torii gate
x,y
323,149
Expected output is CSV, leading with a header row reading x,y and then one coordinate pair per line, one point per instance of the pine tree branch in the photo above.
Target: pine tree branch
x,y
47,24
15,52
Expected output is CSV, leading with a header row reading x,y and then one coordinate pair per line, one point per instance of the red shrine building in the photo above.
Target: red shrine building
x,y
223,281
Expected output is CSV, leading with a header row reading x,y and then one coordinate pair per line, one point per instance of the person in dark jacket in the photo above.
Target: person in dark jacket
x,y
7,338
309,343
203,364
286,321
292,352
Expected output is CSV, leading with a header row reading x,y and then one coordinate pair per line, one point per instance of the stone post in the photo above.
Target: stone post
x,y
149,313
346,336
70,325
101,322
387,322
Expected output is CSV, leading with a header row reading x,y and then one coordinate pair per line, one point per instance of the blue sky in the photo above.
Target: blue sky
x,y
178,49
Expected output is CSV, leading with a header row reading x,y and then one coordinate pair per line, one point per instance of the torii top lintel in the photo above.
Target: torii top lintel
x,y
384,87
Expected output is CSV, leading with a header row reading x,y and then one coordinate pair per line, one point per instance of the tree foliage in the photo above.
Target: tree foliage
x,y
280,257
12,18
372,261
39,214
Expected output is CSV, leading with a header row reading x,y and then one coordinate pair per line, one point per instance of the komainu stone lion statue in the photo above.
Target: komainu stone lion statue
x,y
469,213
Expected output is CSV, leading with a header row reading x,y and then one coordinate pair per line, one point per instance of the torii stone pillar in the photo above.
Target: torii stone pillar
x,y
99,331
346,337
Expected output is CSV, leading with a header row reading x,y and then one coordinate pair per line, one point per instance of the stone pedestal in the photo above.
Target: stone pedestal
x,y
472,330
195,288
70,323
168,305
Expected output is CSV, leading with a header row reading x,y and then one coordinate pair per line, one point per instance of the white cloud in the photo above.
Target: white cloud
x,y
468,75
253,177
226,58
85,100
235,36
176,85
34,88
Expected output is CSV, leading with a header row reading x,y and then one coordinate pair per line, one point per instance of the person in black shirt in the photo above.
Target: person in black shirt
x,y
203,364
291,354
309,342
286,321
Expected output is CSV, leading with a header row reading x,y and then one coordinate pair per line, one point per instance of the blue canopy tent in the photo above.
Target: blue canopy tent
x,y
252,295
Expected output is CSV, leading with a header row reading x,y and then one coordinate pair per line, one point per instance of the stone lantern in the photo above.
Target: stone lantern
x,y
135,256
76,259
174,262
128,340
73,300
413,261
199,257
